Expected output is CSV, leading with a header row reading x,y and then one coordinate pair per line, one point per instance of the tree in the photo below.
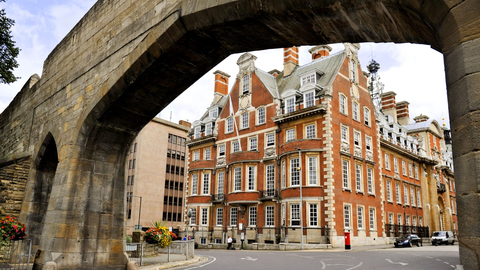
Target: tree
x,y
8,51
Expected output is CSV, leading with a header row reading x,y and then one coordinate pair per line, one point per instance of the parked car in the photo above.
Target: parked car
x,y
443,237
408,241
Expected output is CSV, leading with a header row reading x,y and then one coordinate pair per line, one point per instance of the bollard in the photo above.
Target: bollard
x,y
347,240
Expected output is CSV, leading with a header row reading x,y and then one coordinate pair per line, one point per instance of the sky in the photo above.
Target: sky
x,y
414,72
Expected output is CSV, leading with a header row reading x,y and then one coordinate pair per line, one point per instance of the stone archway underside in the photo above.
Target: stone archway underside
x,y
126,60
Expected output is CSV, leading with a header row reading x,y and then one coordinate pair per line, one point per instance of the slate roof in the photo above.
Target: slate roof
x,y
330,65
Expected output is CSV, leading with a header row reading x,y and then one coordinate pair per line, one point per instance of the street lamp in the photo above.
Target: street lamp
x,y
138,227
301,199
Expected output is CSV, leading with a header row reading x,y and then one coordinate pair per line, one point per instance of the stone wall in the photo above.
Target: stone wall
x,y
13,179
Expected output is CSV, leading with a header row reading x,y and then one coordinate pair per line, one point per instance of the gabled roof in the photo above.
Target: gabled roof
x,y
269,81
426,126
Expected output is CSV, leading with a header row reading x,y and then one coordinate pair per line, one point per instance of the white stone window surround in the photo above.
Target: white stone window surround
x,y
367,117
235,146
229,125
313,214
355,112
245,84
245,120
310,131
261,115
309,99
253,143
343,108
270,139
290,135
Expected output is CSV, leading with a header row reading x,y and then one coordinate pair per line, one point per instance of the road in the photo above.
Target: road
x,y
426,257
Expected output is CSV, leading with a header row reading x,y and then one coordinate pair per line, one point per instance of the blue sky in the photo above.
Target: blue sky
x,y
414,72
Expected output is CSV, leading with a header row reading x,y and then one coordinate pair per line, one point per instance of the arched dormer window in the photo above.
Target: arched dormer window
x,y
246,84
353,70
343,104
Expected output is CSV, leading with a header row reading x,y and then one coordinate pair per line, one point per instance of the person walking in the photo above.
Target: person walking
x,y
229,242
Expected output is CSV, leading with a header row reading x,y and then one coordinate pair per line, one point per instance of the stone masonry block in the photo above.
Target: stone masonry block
x,y
469,219
467,168
466,129
464,96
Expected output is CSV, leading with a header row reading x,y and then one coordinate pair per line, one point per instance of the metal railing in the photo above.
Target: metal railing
x,y
393,230
16,255
148,254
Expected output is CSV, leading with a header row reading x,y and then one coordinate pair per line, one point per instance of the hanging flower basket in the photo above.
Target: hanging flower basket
x,y
11,230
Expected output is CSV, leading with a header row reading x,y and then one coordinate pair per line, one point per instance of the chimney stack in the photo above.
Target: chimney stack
x,y
185,123
290,60
421,118
221,84
320,51
388,104
403,115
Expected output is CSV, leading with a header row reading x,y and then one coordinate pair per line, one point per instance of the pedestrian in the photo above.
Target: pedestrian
x,y
229,242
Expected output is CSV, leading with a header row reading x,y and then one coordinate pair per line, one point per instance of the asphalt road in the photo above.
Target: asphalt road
x,y
426,257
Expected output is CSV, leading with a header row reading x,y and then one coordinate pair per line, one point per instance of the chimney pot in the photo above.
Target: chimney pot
x,y
320,51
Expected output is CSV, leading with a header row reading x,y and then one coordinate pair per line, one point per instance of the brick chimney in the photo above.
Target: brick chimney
x,y
388,104
221,84
403,115
290,60
185,123
421,118
320,51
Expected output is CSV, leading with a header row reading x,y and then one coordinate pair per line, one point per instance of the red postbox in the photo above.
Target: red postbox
x,y
347,240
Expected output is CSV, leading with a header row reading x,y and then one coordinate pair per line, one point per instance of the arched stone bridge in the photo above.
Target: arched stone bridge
x,y
126,60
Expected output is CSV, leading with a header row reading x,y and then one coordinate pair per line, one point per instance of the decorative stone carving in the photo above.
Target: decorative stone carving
x,y
345,147
221,161
369,156
357,152
270,152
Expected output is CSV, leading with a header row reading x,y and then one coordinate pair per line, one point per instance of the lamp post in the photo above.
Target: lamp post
x,y
404,219
301,198
138,227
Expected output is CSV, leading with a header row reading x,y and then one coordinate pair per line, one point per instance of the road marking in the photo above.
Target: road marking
x,y
429,257
360,264
439,260
249,259
323,265
401,263
200,266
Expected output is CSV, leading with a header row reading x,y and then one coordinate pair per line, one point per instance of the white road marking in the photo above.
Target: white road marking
x,y
323,265
195,267
249,259
439,260
360,264
401,263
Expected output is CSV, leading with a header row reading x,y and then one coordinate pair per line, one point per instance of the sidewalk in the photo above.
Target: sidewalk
x,y
361,248
165,265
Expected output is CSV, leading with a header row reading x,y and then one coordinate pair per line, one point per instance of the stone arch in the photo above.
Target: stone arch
x,y
185,43
38,195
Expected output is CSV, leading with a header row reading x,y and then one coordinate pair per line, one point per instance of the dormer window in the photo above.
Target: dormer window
x,y
213,113
290,105
246,84
309,99
309,79
197,132
208,129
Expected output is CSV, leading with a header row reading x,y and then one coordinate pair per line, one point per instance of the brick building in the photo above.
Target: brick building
x,y
155,175
417,169
292,157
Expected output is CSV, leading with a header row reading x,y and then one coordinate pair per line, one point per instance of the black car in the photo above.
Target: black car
x,y
408,241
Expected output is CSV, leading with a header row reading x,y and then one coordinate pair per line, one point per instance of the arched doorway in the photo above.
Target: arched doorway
x,y
38,196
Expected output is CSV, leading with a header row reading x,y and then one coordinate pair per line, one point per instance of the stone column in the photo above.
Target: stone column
x,y
84,224
462,66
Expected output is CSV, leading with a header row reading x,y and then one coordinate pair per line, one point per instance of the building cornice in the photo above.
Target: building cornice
x,y
201,140
319,108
